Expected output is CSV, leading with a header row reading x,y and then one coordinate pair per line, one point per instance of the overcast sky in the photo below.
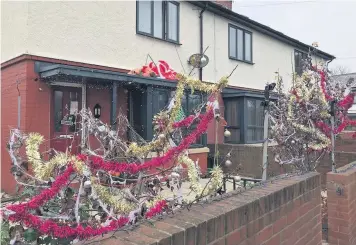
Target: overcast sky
x,y
330,23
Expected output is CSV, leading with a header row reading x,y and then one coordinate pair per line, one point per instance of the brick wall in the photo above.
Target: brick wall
x,y
247,160
345,142
285,212
35,104
342,205
341,159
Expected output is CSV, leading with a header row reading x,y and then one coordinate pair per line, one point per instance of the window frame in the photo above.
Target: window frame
x,y
251,126
303,54
165,26
239,102
149,111
243,116
243,44
203,137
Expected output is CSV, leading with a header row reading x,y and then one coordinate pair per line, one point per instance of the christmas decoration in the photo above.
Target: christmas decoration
x,y
227,133
301,118
102,190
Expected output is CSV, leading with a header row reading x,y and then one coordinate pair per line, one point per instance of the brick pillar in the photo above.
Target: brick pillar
x,y
342,205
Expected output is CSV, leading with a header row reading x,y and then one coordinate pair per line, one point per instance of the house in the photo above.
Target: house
x,y
61,56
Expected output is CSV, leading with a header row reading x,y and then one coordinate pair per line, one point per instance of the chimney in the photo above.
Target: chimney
x,y
226,4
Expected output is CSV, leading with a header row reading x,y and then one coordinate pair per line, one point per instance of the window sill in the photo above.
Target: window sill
x,y
244,61
157,38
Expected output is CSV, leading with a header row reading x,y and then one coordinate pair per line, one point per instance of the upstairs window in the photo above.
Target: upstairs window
x,y
240,44
159,19
299,61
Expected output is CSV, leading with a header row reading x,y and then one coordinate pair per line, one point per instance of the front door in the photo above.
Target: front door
x,y
67,101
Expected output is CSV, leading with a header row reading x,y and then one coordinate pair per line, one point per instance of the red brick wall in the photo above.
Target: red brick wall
x,y
214,126
285,212
342,206
341,159
102,96
35,104
345,142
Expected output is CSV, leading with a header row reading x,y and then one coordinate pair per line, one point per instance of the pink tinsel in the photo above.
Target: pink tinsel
x,y
323,85
186,122
156,209
50,227
347,102
97,163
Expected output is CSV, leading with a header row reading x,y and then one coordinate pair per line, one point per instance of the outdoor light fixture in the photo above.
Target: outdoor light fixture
x,y
97,111
270,86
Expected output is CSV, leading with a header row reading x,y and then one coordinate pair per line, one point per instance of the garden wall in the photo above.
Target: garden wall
x,y
341,203
282,212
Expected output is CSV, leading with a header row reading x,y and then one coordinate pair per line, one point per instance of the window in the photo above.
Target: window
x,y
240,44
160,100
159,19
190,103
299,61
58,110
255,112
233,117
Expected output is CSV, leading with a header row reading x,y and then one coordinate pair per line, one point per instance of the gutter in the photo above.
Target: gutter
x,y
201,39
247,22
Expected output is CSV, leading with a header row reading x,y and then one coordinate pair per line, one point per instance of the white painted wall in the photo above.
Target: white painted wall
x,y
104,33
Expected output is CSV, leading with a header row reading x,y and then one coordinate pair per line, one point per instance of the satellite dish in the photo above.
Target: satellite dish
x,y
198,60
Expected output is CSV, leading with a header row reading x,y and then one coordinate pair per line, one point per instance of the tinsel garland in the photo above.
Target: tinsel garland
x,y
215,182
347,102
119,205
323,84
319,135
20,213
33,142
157,208
47,194
51,228
183,81
97,163
186,122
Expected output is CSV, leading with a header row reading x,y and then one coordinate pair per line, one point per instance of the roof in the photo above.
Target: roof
x,y
48,71
245,21
348,78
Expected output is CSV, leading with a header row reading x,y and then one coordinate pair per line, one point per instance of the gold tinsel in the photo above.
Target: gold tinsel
x,y
33,142
43,170
325,140
117,202
193,177
183,81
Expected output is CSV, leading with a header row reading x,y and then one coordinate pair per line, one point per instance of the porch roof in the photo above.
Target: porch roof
x,y
50,71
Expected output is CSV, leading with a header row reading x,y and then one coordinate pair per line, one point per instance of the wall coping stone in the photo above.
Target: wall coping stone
x,y
207,221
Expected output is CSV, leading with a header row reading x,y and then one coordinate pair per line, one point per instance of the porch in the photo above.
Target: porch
x,y
109,94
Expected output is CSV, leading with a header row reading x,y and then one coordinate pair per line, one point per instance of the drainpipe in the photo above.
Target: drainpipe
x,y
201,39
